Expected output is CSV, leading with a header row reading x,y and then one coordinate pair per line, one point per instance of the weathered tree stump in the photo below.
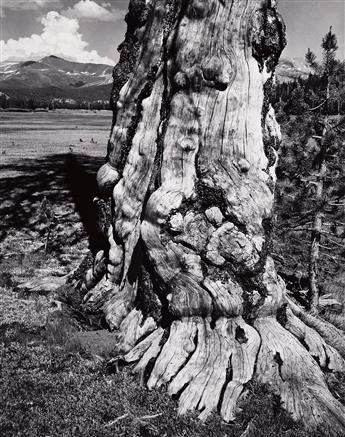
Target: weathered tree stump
x,y
187,279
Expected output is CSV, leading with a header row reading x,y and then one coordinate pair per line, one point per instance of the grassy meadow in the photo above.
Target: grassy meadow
x,y
34,135
48,162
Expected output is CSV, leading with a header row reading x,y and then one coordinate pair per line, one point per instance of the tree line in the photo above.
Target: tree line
x,y
33,103
310,240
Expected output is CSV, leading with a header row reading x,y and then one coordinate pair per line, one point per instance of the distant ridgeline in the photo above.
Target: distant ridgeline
x,y
298,88
53,83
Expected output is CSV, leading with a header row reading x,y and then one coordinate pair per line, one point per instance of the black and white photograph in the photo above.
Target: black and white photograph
x,y
172,218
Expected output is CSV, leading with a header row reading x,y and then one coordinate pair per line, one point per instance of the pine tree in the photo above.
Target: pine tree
x,y
326,71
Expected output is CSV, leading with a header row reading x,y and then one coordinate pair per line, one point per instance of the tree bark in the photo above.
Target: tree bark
x,y
188,189
315,240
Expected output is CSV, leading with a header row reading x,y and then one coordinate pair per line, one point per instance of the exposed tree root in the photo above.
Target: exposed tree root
x,y
132,329
207,366
328,357
331,334
204,366
290,370
95,273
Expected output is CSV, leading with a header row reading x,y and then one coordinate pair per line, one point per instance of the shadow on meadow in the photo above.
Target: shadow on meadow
x,y
65,182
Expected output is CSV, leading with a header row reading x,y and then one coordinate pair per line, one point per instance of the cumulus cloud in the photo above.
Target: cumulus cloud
x,y
60,37
29,5
90,10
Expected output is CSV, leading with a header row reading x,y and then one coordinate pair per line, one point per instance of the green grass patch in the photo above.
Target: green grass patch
x,y
50,390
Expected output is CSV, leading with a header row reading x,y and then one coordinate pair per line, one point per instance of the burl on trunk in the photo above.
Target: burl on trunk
x,y
188,187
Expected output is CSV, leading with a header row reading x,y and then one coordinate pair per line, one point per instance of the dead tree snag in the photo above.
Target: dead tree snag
x,y
187,279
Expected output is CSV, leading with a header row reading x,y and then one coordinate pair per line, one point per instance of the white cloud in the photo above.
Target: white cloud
x,y
29,5
90,10
60,37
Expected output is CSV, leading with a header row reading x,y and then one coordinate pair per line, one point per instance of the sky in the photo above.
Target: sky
x,y
307,21
91,30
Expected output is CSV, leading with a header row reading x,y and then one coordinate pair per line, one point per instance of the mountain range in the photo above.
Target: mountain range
x,y
54,77
291,69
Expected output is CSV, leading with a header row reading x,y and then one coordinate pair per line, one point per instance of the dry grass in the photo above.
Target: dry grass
x,y
30,135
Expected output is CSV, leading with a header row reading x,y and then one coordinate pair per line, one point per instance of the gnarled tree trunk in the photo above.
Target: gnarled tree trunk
x,y
187,194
